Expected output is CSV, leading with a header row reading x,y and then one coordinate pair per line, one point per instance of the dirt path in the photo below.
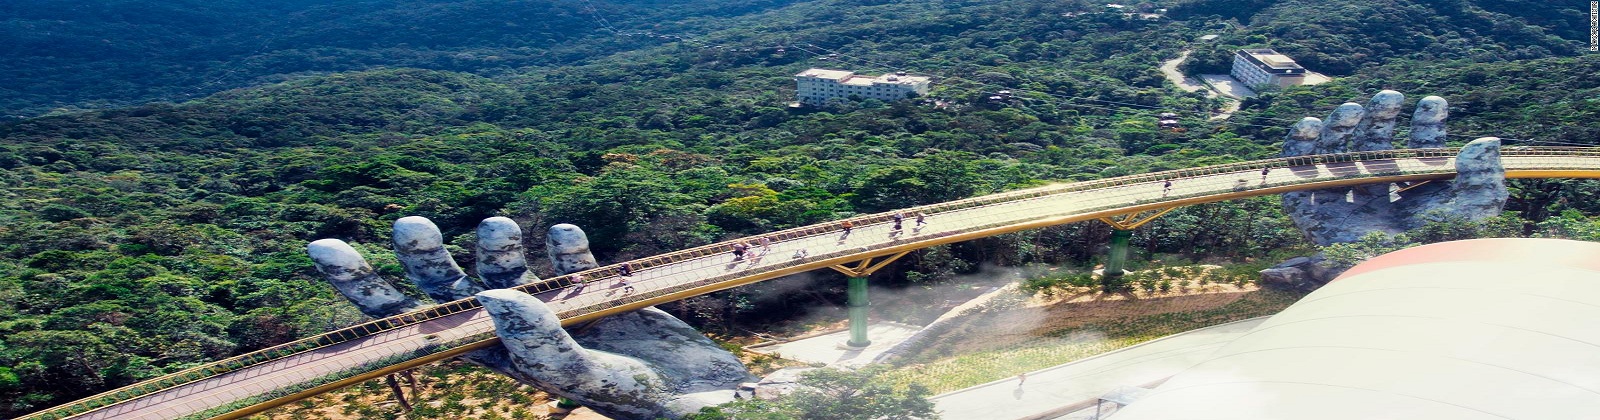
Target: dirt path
x,y
1169,68
1188,84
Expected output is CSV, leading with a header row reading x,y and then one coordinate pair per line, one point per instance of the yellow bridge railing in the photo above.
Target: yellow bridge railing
x,y
1563,159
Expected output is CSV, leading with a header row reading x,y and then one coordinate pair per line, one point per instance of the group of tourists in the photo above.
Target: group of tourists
x,y
1238,185
624,275
899,224
898,217
742,248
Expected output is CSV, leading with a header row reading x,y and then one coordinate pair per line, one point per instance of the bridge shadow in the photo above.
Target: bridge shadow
x,y
1305,171
445,323
1343,169
1381,167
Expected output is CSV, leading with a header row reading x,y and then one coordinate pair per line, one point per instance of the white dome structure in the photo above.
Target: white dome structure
x,y
1478,329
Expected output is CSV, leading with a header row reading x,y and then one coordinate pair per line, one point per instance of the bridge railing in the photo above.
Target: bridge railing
x,y
725,248
611,271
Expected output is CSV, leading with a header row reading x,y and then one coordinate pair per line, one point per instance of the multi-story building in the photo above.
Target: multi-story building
x,y
818,86
1266,67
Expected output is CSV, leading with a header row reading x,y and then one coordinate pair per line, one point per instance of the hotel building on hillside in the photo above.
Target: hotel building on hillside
x,y
816,87
1266,67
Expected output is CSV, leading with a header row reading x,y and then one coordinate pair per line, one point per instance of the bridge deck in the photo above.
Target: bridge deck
x,y
260,380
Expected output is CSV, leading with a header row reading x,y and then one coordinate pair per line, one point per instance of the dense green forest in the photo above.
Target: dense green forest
x,y
1340,37
109,53
140,240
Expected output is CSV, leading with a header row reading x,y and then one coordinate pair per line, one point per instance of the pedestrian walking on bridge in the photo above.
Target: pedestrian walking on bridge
x,y
579,282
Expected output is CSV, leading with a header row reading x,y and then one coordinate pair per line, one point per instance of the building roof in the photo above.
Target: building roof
x,y
1271,58
850,78
1489,328
826,74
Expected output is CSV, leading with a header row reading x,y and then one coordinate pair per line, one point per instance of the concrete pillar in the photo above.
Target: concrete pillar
x,y
858,312
1119,252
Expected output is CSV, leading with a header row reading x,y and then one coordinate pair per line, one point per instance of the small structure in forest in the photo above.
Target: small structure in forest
x,y
816,87
1266,67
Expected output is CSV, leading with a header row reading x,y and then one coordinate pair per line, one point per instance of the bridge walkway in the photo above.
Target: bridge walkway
x,y
252,382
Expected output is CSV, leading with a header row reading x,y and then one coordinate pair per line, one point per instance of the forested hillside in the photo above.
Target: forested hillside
x,y
141,240
1340,37
107,53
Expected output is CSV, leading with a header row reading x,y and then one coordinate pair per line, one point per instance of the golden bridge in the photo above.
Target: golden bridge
x,y
253,382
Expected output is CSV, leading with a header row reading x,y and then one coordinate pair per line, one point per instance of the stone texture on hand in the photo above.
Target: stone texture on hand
x,y
637,365
1336,215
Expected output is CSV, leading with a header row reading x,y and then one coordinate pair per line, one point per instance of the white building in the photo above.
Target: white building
x,y
818,86
1266,67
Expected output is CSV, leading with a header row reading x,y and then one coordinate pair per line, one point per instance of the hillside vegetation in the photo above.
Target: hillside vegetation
x,y
109,53
1341,37
141,240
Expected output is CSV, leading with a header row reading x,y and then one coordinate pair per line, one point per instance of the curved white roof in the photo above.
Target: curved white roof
x,y
1489,328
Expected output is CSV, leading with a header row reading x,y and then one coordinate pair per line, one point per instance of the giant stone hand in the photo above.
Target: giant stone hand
x,y
637,365
1345,214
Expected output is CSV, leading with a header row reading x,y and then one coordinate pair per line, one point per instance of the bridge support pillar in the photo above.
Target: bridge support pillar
x,y
858,302
1119,253
858,312
1121,231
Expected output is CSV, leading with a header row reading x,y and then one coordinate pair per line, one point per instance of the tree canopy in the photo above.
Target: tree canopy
x,y
144,239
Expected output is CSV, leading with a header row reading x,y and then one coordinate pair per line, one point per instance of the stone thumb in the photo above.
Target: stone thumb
x,y
1480,185
533,333
541,350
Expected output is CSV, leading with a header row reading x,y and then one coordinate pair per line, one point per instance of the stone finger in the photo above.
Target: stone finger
x,y
501,262
420,247
1427,123
1338,127
1480,185
569,249
1376,129
354,278
1302,138
1376,132
1302,206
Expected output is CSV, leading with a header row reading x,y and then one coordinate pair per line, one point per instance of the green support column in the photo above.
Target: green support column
x,y
858,312
1119,252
